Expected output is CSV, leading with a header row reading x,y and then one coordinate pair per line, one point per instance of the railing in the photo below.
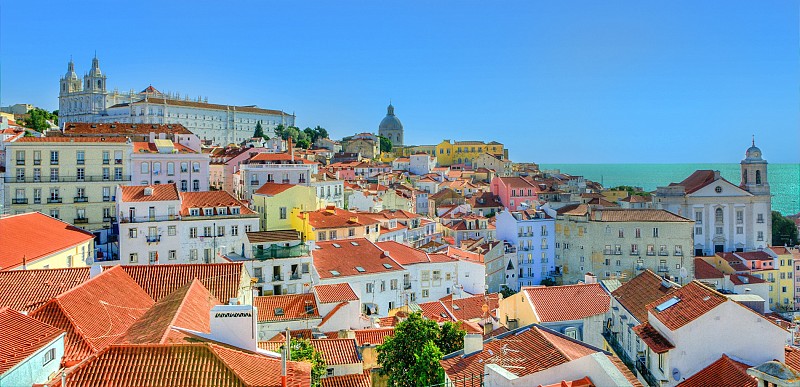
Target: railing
x,y
141,219
37,200
634,252
53,162
611,339
37,162
106,198
294,276
66,179
277,277
109,219
651,253
663,252
81,220
679,252
406,286
19,201
153,238
642,369
53,200
618,252
80,199
80,162
21,162
663,269
253,182
608,251
276,251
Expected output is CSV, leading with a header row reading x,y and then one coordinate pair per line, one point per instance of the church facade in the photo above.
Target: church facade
x,y
89,100
728,217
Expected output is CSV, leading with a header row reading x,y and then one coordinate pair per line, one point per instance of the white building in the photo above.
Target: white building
x,y
90,101
160,225
727,217
278,260
421,163
161,161
533,235
34,353
330,191
272,168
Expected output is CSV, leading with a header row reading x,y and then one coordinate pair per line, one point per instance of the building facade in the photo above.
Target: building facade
x,y
533,234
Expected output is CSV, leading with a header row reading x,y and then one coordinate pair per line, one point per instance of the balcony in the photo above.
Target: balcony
x,y
276,251
634,252
611,339
19,201
142,219
254,182
663,253
21,162
617,251
118,161
80,199
106,198
679,253
608,251
37,200
294,276
53,200
153,238
109,219
80,162
37,162
65,179
81,220
644,372
662,269
406,285
651,252
53,162
277,277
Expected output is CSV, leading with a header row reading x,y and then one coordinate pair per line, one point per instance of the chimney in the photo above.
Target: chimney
x,y
590,278
291,149
716,175
235,325
148,191
346,334
94,271
473,342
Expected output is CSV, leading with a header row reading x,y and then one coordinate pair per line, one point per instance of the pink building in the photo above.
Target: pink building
x,y
225,162
515,193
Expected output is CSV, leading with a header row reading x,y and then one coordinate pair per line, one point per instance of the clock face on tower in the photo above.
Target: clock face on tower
x,y
756,154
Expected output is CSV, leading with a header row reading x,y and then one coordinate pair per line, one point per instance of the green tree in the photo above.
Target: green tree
x,y
451,337
37,119
279,131
507,292
784,230
302,350
411,357
321,132
386,144
259,131
548,282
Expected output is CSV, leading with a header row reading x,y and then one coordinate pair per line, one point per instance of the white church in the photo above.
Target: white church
x,y
728,217
90,101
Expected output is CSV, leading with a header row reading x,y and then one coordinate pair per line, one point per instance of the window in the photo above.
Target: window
x,y
760,236
661,362
698,217
321,236
739,230
370,287
655,232
739,216
49,356
196,185
571,332
234,230
195,167
134,257
80,174
282,213
193,254
153,256
145,168
193,232
171,230
248,228
170,169
393,284
758,177
80,157
118,157
53,157
329,372
718,189
760,218
132,233
425,293
220,231
351,232
207,231
53,174
184,167
621,233
106,173
332,234
118,173
698,231
106,157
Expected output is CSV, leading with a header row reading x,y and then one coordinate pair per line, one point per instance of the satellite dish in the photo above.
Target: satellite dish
x,y
684,273
676,374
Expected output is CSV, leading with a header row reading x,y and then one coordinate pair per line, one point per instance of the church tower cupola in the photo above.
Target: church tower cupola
x,y
95,80
754,171
391,128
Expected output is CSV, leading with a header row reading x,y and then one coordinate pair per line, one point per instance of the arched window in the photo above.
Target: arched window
x,y
718,215
758,177
744,177
99,82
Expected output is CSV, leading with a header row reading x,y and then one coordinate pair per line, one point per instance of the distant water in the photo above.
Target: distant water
x,y
784,179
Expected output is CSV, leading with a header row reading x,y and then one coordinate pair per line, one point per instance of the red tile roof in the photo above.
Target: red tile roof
x,y
636,215
211,199
792,357
335,293
346,258
73,139
272,157
352,380
754,256
699,179
223,280
337,351
96,313
149,147
22,337
582,382
26,290
293,306
76,128
653,339
337,218
705,270
188,307
160,192
184,365
373,336
640,291
272,189
725,372
19,230
568,302
404,254
695,300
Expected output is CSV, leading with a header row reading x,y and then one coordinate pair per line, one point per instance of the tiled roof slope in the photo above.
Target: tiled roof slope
x,y
82,128
698,179
211,199
335,293
160,192
272,189
725,372
293,305
654,340
184,365
223,280
636,215
695,300
345,258
403,254
352,380
705,270
568,302
335,351
375,336
640,291
22,337
26,290
96,313
188,307
16,232
337,218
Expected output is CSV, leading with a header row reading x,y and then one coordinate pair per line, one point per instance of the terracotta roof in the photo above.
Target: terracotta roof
x,y
637,199
211,199
792,357
705,270
745,279
640,291
460,309
725,372
76,128
780,250
273,236
754,256
516,182
582,382
160,192
653,339
337,351
636,215
118,140
22,337
350,255
96,313
336,218
206,105
184,365
568,302
695,300
697,180
285,156
335,293
286,307
223,280
352,380
404,254
26,290
272,189
149,147
19,230
188,307
373,336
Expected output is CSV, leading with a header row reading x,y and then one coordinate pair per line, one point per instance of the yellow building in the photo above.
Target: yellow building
x,y
37,241
613,195
333,223
69,178
275,202
466,152
783,287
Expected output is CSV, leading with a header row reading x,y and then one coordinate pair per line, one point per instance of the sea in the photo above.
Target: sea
x,y
784,179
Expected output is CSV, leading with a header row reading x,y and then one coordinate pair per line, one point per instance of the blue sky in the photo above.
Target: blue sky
x,y
558,82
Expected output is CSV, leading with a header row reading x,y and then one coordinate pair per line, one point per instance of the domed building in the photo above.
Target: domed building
x,y
391,127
